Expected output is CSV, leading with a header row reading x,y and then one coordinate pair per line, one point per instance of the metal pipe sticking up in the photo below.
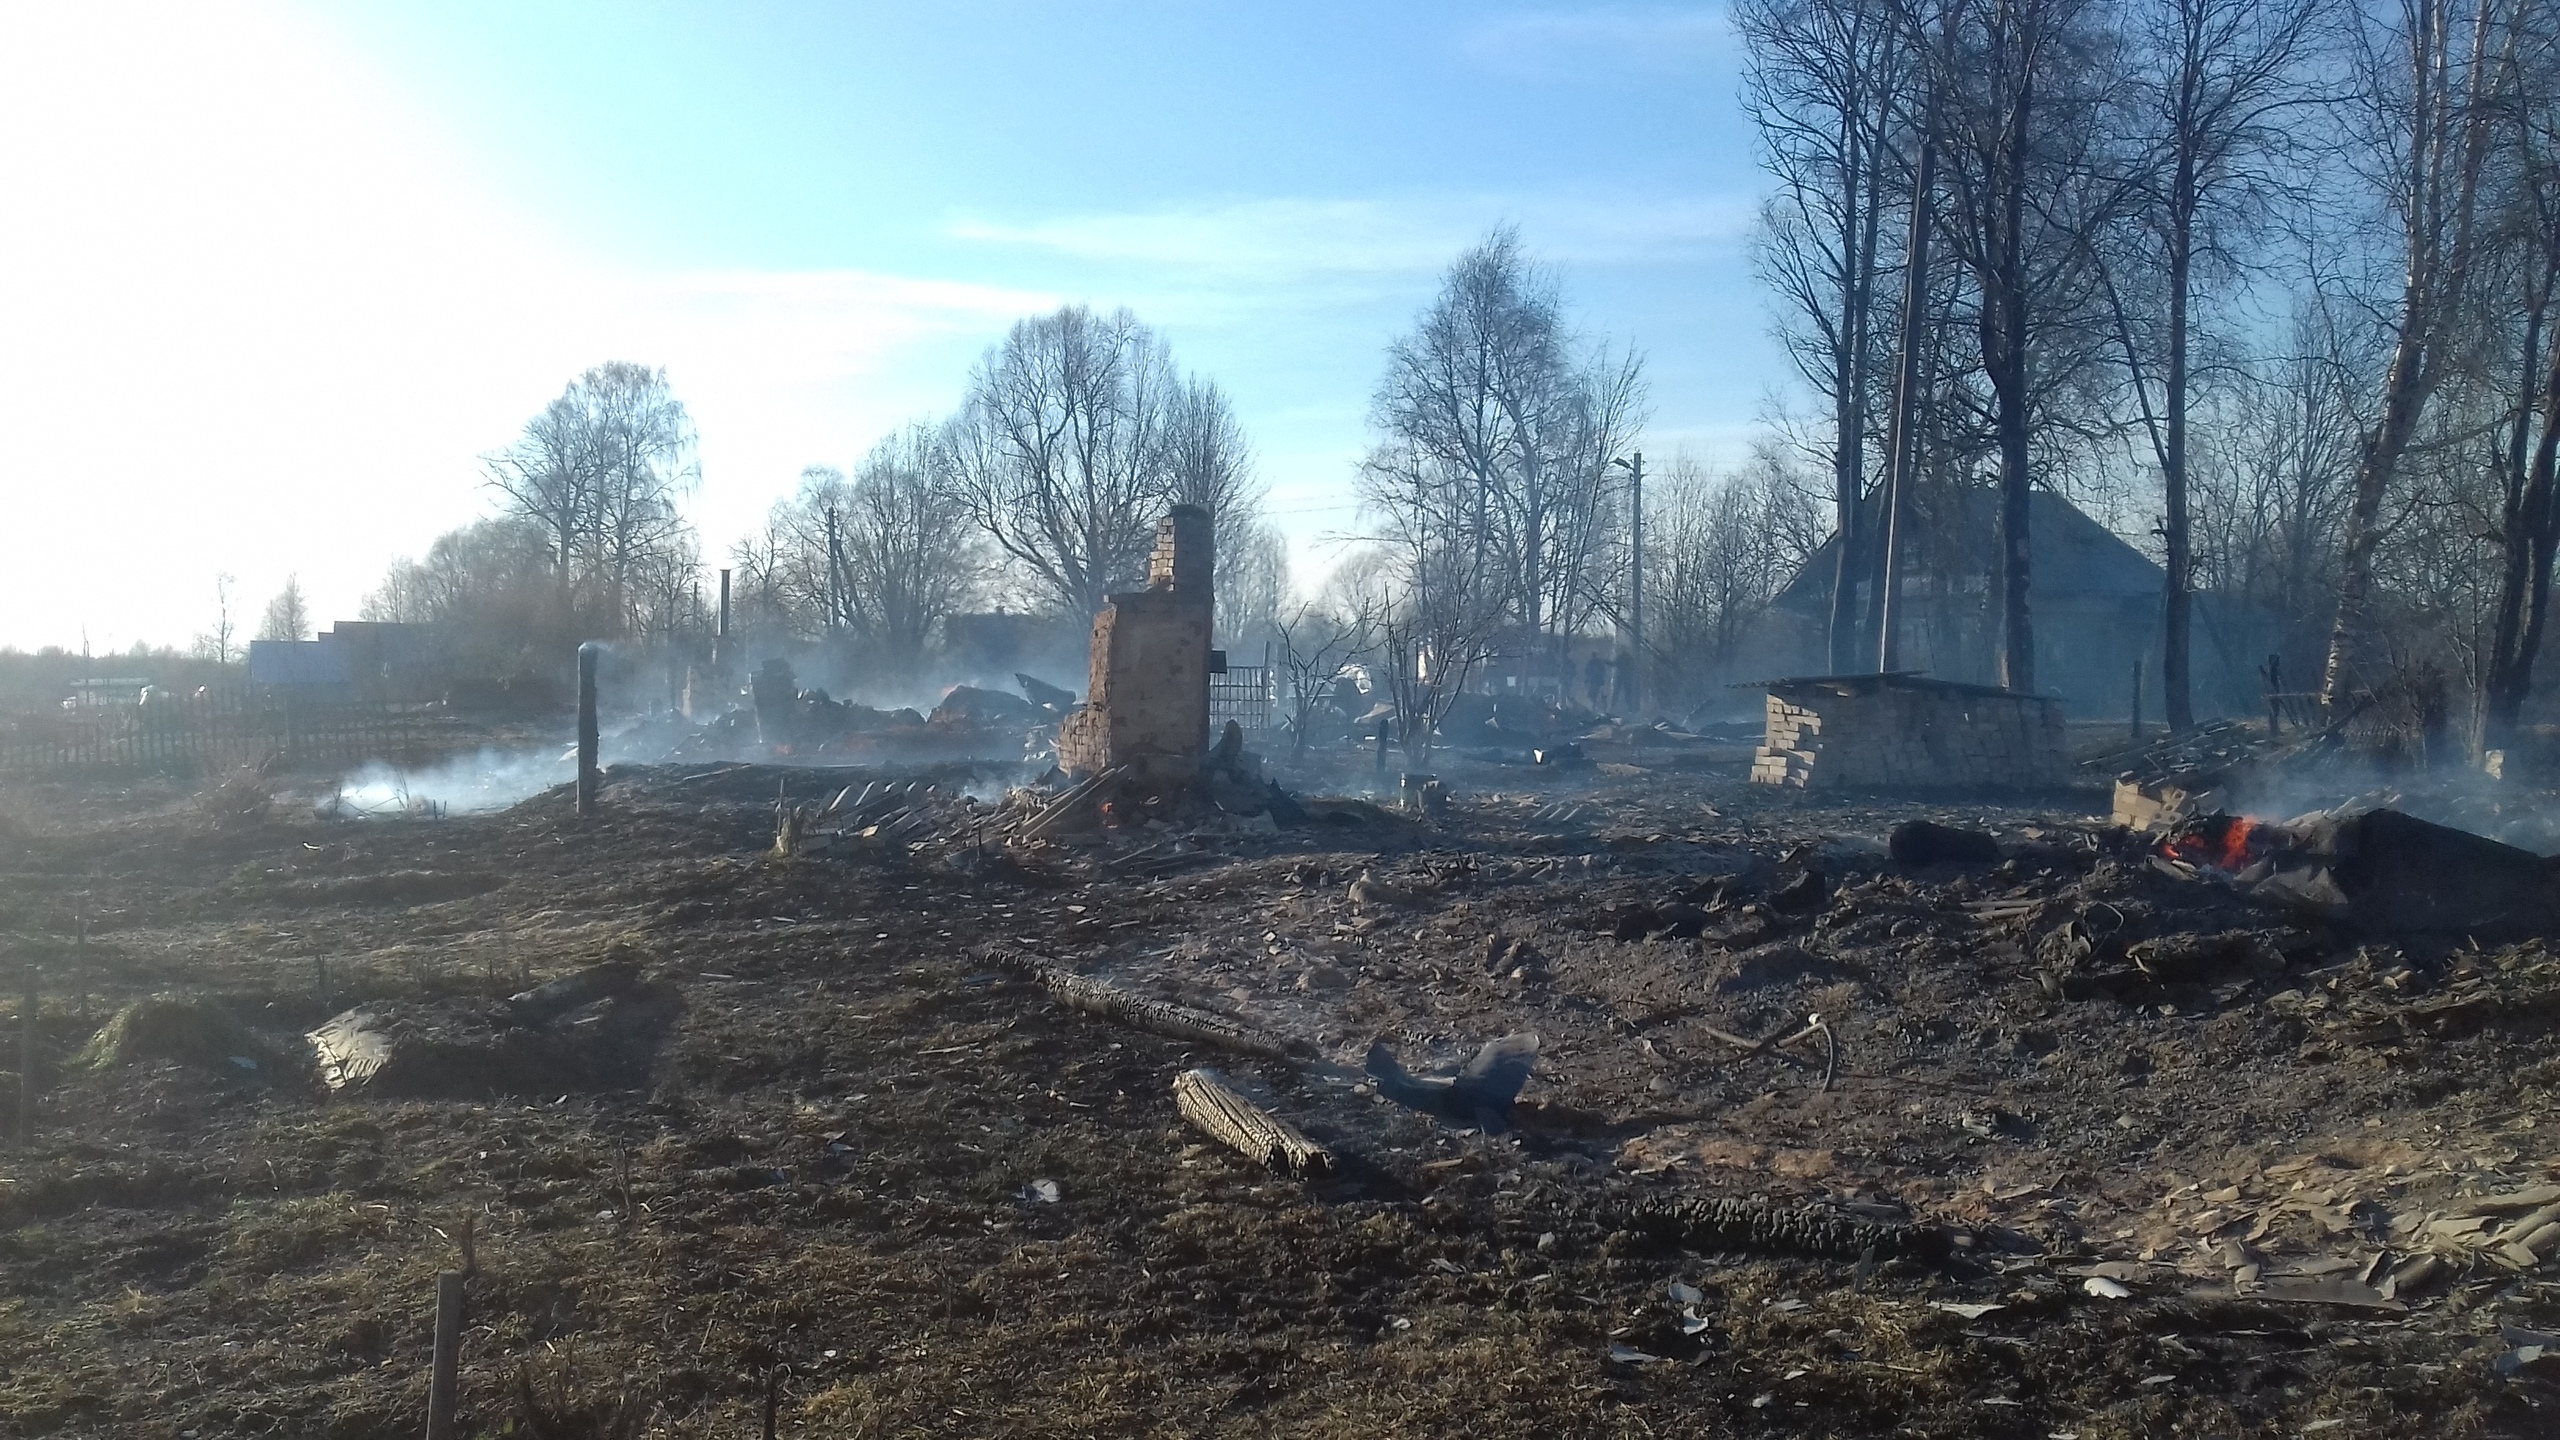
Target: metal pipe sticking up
x,y
587,730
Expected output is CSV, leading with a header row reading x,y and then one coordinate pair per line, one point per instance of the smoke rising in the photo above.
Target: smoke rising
x,y
463,785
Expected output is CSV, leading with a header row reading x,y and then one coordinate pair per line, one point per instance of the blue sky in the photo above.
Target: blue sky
x,y
288,269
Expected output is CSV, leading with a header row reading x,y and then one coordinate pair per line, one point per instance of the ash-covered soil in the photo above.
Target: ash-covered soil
x,y
2186,1164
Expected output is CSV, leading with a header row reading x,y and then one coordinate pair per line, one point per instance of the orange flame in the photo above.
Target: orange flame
x,y
2221,842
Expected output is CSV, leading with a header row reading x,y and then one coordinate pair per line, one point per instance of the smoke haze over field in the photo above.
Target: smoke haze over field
x,y
463,785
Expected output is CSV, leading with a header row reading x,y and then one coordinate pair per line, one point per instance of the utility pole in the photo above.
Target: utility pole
x,y
1632,681
835,575
720,637
1901,442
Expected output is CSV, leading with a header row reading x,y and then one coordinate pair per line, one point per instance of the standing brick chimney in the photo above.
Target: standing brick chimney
x,y
1147,707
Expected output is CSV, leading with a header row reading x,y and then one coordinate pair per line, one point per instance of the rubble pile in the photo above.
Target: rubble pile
x,y
1908,731
2234,767
598,1028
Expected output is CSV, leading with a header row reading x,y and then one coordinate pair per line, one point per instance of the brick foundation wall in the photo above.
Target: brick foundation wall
x,y
1860,733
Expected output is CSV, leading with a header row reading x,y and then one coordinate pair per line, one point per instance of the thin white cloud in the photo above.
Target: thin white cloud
x,y
1589,46
1291,241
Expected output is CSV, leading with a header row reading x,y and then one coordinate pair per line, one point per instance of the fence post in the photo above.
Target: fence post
x,y
442,1379
27,1060
587,730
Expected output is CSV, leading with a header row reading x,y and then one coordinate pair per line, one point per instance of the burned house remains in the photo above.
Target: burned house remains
x,y
1147,710
1909,732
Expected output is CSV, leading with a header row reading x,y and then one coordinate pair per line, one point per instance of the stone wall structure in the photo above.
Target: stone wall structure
x,y
1147,707
1909,732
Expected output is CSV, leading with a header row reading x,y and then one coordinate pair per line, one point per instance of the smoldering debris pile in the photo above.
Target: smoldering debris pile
x,y
2380,869
809,727
596,1028
2232,766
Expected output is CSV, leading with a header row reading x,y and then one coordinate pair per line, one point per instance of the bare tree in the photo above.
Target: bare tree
x,y
875,563
1062,451
1723,547
1824,83
2019,86
2273,478
2219,89
1315,642
217,643
1209,463
1252,585
1431,643
909,556
642,446
488,592
547,477
2431,83
1491,478
2527,522
771,591
286,617
602,470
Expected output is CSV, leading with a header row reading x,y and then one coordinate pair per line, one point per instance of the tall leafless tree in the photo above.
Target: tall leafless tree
x,y
1209,463
2020,87
601,470
1252,585
1313,644
1827,84
1722,548
221,642
2272,479
1491,478
909,557
2432,72
287,617
1076,433
641,443
2219,89
2528,519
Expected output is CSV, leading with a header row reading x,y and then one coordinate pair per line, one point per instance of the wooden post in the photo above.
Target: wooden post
x,y
720,639
1382,747
2137,699
443,1383
27,1060
587,730
2274,676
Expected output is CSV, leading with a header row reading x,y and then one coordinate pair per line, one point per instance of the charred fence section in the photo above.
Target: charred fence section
x,y
210,732
1241,693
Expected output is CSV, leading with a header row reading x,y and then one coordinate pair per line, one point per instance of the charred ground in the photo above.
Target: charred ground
x,y
2090,1074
